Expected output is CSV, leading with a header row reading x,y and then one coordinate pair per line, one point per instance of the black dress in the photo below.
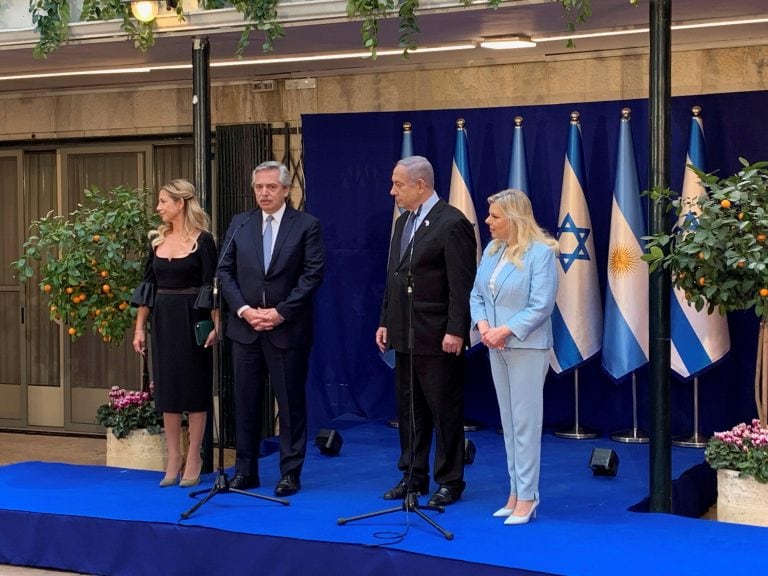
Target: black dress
x,y
178,292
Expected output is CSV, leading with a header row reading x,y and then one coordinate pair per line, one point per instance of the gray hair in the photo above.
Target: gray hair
x,y
284,176
419,168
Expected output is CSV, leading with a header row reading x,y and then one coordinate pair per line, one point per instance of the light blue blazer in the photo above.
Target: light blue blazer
x,y
525,297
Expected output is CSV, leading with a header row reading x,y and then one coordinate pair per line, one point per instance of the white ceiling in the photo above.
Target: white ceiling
x,y
321,26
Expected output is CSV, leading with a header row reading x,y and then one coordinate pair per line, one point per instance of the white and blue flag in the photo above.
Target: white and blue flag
x,y
461,194
461,182
699,339
518,163
625,333
577,320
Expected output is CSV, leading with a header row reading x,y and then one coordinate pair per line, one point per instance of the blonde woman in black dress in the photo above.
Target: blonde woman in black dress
x,y
174,295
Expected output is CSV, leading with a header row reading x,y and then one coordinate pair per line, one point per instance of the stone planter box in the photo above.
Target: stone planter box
x,y
742,500
139,450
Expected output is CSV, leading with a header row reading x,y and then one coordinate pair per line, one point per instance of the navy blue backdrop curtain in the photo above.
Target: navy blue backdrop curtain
x,y
348,166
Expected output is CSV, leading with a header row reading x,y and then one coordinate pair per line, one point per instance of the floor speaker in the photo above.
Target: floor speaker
x,y
604,462
329,442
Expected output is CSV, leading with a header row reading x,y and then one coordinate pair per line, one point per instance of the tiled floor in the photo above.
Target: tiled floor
x,y
20,447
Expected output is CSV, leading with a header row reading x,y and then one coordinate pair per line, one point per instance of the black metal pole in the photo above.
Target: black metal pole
x,y
201,136
660,465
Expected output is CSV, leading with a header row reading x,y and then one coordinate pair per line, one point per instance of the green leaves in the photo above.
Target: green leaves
x,y
51,21
260,15
718,256
91,261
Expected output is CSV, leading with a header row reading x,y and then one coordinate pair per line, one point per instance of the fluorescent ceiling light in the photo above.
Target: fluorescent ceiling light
x,y
507,42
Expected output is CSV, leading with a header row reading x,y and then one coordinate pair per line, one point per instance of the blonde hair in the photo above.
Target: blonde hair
x,y
195,218
523,228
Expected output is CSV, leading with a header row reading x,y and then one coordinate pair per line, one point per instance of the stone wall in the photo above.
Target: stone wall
x,y
151,110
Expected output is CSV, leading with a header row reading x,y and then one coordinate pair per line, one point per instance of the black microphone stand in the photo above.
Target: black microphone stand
x,y
221,483
411,501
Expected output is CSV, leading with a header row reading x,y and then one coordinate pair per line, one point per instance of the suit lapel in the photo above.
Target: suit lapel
x,y
426,227
506,270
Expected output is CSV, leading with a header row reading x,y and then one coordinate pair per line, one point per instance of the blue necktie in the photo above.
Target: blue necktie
x,y
405,239
268,241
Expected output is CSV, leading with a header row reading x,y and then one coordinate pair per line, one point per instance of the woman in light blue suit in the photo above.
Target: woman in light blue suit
x,y
511,304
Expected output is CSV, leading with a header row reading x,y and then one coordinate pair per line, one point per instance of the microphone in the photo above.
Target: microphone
x,y
415,216
226,249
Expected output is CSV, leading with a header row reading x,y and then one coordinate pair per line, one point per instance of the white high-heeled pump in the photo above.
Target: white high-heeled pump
x,y
515,520
503,512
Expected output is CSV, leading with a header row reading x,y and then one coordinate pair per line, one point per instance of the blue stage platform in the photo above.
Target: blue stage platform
x,y
117,522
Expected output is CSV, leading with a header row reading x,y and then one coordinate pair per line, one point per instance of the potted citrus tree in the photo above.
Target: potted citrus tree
x,y
89,263
719,259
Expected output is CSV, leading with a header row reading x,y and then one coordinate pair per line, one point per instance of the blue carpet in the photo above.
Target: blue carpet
x,y
584,526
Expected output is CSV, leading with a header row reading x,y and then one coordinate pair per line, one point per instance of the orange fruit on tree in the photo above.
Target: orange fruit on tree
x,y
760,237
47,288
69,290
96,237
104,273
725,203
702,281
741,263
741,216
764,292
123,305
72,331
106,288
75,299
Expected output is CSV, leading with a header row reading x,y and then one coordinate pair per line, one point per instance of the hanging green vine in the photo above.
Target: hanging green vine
x,y
51,21
259,15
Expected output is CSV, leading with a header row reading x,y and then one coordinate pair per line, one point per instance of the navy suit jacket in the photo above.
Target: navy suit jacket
x,y
294,275
442,264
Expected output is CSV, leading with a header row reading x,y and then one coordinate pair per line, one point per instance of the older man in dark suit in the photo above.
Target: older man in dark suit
x,y
434,254
270,271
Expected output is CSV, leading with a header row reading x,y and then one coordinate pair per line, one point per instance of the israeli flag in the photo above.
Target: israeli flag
x,y
625,333
699,339
577,321
518,163
461,194
461,182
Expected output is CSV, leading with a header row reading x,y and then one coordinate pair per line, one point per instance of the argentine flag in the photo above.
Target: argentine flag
x,y
518,164
406,149
577,321
625,333
699,339
461,182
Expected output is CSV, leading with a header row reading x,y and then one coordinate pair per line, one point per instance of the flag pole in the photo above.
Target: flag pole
x,y
695,440
633,435
576,432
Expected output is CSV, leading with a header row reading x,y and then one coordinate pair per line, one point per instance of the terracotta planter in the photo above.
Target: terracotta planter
x,y
139,450
741,499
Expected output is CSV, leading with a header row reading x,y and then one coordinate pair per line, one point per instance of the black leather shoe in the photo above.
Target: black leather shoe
x,y
244,482
288,484
444,496
401,490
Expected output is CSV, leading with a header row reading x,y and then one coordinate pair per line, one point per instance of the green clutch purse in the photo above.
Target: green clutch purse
x,y
202,329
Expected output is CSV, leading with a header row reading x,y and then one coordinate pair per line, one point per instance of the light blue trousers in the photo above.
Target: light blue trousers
x,y
518,376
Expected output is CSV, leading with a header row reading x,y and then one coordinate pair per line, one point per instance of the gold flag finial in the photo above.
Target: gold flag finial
x,y
407,126
575,117
626,113
696,110
518,120
460,123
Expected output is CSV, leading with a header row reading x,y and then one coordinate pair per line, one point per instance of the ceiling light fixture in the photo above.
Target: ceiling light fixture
x,y
507,42
146,10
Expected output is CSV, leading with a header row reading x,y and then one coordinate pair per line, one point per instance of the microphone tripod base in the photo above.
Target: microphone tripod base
x,y
410,504
221,486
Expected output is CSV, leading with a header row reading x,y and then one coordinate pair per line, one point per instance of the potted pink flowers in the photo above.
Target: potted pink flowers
x,y
740,456
134,430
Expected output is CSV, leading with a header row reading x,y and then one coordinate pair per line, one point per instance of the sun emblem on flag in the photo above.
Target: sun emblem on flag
x,y
622,261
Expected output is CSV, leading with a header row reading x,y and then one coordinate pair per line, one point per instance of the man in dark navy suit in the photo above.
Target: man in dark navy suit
x,y
433,255
269,273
